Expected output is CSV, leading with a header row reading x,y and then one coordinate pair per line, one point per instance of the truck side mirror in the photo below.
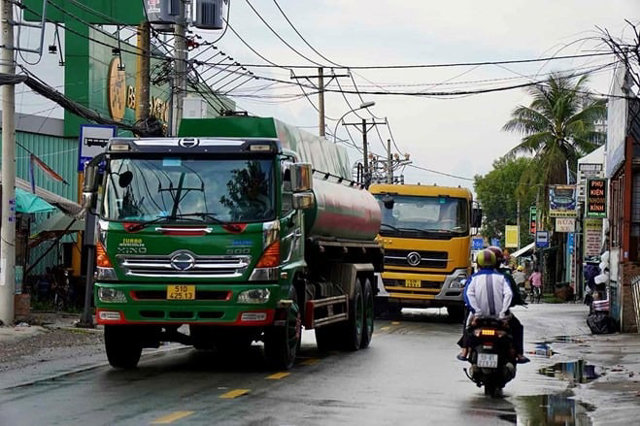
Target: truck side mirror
x,y
301,177
388,201
303,200
90,186
476,218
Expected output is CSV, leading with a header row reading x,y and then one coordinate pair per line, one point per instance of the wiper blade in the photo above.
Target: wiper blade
x,y
139,225
209,216
389,226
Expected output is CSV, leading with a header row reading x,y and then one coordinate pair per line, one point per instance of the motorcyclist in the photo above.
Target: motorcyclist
x,y
517,330
487,293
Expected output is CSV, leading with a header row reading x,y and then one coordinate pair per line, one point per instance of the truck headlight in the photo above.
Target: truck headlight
x,y
458,282
257,295
111,295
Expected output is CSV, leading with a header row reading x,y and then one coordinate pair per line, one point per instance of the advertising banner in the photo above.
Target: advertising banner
x,y
532,220
562,201
565,224
596,198
592,238
511,236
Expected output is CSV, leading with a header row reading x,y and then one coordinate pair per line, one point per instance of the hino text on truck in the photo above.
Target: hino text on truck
x,y
242,228
426,234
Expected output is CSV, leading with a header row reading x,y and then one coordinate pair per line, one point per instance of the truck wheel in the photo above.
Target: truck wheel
x,y
352,329
281,343
367,323
123,346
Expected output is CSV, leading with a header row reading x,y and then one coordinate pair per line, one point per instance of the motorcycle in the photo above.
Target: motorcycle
x,y
492,356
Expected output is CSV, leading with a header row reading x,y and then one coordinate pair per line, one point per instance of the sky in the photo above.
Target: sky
x,y
454,137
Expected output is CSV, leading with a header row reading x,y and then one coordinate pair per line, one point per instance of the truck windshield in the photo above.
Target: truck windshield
x,y
423,214
189,190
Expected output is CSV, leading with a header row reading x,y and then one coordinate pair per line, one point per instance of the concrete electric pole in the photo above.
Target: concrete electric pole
x,y
364,129
321,86
180,69
8,208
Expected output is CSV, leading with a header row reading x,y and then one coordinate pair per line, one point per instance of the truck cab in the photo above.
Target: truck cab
x,y
426,234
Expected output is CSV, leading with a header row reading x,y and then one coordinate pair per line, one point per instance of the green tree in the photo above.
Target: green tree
x,y
559,126
498,193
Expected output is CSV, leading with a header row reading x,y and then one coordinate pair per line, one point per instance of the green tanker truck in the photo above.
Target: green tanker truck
x,y
242,228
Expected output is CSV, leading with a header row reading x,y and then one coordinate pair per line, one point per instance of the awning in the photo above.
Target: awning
x,y
523,250
59,201
54,227
27,202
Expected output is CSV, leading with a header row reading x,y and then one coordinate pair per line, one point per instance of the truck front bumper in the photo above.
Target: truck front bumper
x,y
423,289
212,304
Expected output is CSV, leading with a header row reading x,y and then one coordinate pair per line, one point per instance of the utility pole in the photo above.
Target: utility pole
x,y
389,163
364,129
321,100
144,65
320,88
8,208
180,69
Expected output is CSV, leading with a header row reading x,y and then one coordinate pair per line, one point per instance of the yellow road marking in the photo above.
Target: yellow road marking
x,y
235,393
278,376
170,418
309,361
395,323
384,328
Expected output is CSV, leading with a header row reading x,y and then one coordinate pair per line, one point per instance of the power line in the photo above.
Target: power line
x,y
300,35
278,35
454,64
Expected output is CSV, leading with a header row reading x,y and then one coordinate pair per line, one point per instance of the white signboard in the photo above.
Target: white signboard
x,y
565,224
93,141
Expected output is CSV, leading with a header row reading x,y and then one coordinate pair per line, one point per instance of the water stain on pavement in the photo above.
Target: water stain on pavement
x,y
575,371
551,410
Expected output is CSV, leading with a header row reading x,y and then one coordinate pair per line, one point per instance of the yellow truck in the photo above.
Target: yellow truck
x,y
426,234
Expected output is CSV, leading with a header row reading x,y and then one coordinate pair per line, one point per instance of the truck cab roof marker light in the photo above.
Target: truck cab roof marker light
x,y
120,147
260,148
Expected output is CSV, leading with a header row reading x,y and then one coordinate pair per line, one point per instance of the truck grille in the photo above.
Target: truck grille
x,y
222,266
425,259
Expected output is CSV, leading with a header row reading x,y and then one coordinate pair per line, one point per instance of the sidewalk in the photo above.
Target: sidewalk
x,y
48,338
614,393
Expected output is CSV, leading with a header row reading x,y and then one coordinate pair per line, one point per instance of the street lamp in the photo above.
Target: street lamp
x,y
362,106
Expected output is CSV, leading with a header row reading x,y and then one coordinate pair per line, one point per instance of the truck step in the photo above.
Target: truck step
x,y
336,311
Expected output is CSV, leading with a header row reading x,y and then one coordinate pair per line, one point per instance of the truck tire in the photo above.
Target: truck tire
x,y
123,346
352,328
281,343
368,321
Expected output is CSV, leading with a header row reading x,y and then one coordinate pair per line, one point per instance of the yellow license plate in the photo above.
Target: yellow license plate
x,y
181,292
413,283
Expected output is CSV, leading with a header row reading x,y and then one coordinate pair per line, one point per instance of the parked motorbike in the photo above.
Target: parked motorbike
x,y
492,355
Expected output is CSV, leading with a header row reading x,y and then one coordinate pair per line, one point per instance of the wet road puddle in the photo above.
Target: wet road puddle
x,y
574,371
551,410
567,339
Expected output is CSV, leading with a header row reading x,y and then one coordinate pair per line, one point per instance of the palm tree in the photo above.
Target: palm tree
x,y
559,127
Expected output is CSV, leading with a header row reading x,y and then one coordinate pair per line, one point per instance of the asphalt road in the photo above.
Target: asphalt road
x,y
409,375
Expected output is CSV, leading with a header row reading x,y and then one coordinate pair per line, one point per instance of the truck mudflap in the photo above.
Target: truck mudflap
x,y
336,310
259,317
